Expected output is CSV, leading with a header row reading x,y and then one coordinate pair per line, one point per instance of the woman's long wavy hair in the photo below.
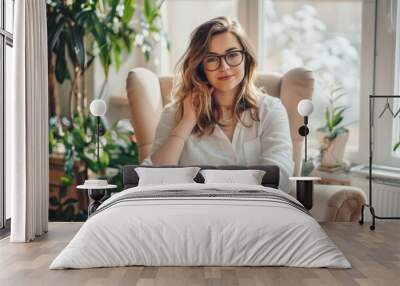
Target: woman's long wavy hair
x,y
192,79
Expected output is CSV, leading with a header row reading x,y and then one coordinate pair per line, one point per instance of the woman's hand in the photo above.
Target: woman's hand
x,y
189,113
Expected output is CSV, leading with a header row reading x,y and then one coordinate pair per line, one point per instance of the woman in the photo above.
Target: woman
x,y
217,115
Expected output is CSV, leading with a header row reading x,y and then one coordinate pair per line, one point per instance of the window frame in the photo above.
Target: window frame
x,y
382,81
6,39
396,127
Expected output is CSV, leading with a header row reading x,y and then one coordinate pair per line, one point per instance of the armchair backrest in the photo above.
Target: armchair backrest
x,y
147,95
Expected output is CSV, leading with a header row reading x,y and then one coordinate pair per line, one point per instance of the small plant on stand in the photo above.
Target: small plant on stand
x,y
334,135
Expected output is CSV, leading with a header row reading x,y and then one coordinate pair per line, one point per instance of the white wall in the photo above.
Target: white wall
x,y
180,21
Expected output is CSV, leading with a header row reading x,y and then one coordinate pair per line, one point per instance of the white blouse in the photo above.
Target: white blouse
x,y
267,142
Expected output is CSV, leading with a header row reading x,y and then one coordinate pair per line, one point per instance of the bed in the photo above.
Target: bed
x,y
199,224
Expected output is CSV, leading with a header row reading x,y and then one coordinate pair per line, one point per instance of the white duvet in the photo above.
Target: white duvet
x,y
200,231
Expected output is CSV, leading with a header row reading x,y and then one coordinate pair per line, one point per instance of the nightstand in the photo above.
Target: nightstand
x,y
305,190
96,193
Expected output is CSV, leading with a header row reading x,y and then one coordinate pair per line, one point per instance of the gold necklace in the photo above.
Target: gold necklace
x,y
226,120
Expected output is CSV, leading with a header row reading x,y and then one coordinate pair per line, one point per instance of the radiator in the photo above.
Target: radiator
x,y
385,189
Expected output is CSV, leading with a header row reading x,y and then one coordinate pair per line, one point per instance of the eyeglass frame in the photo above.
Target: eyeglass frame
x,y
242,52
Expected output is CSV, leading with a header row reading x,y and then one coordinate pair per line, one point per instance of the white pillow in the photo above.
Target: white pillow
x,y
163,176
249,177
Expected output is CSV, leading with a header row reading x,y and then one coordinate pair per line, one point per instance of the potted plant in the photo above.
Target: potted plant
x,y
334,135
78,32
75,141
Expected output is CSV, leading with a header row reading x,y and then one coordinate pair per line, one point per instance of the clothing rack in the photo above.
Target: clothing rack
x,y
371,138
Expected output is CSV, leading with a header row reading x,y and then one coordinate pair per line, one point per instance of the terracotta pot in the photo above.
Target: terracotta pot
x,y
332,150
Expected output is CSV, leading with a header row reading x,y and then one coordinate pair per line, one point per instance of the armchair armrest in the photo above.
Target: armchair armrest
x,y
146,104
336,203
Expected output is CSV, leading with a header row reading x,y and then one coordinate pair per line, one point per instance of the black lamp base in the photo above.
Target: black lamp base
x,y
95,202
303,130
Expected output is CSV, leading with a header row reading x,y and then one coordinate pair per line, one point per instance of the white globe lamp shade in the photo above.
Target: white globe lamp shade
x,y
305,107
98,107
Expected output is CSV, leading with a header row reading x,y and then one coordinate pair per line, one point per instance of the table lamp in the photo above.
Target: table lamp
x,y
98,108
305,184
305,108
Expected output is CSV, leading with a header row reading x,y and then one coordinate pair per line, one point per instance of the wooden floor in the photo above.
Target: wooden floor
x,y
374,255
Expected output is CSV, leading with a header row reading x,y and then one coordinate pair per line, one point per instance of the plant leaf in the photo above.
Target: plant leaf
x,y
147,9
129,10
61,68
396,146
76,48
66,181
104,160
337,118
54,201
55,37
70,201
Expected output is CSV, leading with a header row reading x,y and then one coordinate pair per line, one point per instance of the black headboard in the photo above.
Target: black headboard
x,y
270,179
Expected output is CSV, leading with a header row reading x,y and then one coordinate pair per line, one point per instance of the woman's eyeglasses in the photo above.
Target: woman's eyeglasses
x,y
232,58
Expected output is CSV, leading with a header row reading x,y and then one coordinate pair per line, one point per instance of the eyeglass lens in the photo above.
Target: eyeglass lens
x,y
213,62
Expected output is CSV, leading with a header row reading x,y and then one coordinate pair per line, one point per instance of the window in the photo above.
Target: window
x,y
385,83
324,36
6,43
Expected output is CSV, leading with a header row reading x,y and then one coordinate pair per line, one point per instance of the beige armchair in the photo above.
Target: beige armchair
x,y
147,95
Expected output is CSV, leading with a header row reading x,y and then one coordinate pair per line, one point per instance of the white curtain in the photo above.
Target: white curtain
x,y
27,124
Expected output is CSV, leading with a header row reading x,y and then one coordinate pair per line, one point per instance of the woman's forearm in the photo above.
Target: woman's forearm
x,y
170,152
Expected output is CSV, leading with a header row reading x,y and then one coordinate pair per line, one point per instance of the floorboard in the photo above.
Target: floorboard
x,y
374,255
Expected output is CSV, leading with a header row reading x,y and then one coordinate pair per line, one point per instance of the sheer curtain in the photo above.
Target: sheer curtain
x,y
27,124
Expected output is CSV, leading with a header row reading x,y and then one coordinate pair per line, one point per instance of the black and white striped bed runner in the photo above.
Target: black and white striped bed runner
x,y
203,194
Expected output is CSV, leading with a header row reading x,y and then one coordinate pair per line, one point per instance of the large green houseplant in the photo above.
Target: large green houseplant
x,y
333,136
81,30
